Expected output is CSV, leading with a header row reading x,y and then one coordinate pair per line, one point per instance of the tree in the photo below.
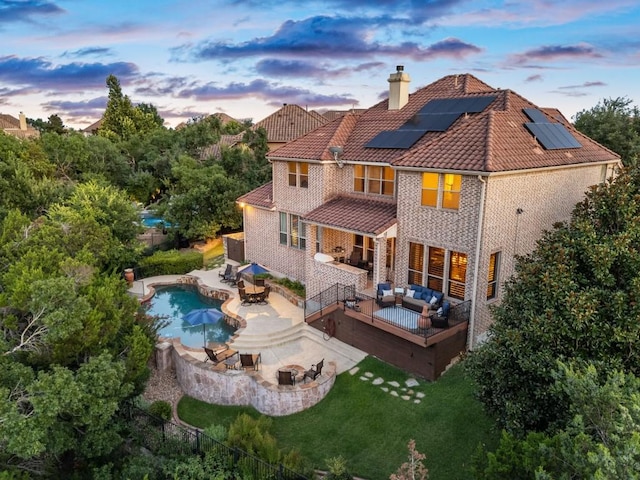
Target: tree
x,y
574,297
615,124
52,125
413,469
121,119
600,441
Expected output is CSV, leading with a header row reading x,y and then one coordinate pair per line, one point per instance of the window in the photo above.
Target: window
x,y
457,274
435,269
451,191
374,179
416,263
283,228
318,239
441,190
299,174
293,231
298,237
430,189
492,285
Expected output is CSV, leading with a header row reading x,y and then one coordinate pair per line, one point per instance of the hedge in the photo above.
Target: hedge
x,y
170,262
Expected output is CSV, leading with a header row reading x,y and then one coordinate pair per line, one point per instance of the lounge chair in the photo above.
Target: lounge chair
x,y
231,276
226,272
314,372
250,360
286,377
219,356
234,281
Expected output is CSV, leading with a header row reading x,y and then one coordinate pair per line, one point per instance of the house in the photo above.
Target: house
x,y
333,114
92,129
289,123
17,127
441,188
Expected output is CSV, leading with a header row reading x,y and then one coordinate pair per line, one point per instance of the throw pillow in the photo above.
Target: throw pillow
x,y
433,300
387,293
440,312
410,293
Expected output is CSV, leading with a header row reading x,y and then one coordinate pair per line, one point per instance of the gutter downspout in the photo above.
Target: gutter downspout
x,y
476,267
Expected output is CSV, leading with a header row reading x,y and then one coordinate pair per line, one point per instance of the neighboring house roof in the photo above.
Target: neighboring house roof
x,y
333,114
492,140
357,214
260,197
224,118
290,122
93,128
11,126
215,150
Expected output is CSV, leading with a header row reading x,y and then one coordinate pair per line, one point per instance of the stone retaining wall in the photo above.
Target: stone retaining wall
x,y
220,386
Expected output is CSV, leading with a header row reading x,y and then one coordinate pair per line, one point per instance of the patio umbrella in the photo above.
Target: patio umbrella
x,y
203,316
254,269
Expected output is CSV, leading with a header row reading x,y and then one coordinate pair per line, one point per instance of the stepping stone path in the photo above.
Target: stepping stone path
x,y
393,388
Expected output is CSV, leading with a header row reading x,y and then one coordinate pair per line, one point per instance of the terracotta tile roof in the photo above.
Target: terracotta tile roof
x,y
356,214
215,150
224,118
333,114
316,143
260,197
8,121
290,122
489,141
93,128
11,126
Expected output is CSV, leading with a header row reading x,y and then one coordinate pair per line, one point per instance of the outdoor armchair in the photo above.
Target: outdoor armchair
x,y
314,372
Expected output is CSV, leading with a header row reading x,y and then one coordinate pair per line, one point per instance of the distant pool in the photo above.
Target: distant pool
x,y
174,302
151,221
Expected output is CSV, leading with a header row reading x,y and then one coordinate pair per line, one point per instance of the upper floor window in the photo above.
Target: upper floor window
x,y
374,179
299,174
441,190
492,278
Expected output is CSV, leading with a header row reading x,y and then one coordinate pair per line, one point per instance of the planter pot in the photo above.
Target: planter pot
x,y
128,275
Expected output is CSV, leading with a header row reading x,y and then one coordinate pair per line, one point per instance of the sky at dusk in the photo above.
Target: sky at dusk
x,y
248,58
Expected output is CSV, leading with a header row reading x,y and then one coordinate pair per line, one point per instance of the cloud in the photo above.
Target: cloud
x,y
302,69
335,37
24,10
88,51
533,78
553,53
83,108
584,85
70,77
272,94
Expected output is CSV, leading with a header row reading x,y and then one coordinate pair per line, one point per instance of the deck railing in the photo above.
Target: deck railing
x,y
346,297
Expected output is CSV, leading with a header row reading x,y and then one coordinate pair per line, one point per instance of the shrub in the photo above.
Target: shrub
x,y
161,409
171,262
337,469
293,285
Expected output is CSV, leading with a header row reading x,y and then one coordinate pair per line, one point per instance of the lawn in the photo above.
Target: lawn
x,y
371,428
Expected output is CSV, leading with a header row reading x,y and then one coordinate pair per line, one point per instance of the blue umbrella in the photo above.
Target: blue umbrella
x,y
254,269
202,316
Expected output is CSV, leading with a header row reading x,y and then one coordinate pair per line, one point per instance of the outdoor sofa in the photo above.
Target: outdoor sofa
x,y
417,296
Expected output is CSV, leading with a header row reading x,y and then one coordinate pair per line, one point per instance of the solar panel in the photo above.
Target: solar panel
x,y
395,139
535,115
458,105
553,136
431,122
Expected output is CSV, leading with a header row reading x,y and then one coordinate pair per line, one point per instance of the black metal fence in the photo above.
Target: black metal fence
x,y
165,437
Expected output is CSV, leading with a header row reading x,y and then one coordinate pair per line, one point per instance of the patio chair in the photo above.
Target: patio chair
x,y
440,319
234,281
286,377
259,282
231,276
226,272
240,284
250,360
219,356
314,372
384,295
262,297
245,298
356,258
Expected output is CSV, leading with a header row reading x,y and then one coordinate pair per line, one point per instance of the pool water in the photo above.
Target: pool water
x,y
174,302
149,221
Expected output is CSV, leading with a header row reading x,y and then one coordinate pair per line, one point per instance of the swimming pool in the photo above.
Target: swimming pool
x,y
174,302
151,221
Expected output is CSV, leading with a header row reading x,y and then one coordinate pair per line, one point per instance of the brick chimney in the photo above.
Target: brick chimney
x,y
398,88
23,121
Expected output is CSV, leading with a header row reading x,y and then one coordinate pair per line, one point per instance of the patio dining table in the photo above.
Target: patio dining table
x,y
254,292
